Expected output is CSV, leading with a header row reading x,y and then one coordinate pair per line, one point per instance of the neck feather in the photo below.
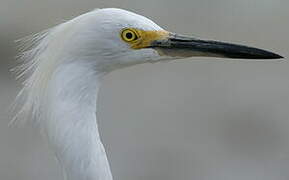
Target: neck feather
x,y
59,97
68,121
71,125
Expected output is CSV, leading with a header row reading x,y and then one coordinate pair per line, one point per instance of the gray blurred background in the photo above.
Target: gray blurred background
x,y
194,119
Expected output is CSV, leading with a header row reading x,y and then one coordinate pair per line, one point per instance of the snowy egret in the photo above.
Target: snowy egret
x,y
64,66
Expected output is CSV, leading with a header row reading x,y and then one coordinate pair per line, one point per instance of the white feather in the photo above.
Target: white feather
x,y
62,68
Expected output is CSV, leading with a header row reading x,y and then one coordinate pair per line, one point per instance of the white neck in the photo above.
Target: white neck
x,y
71,125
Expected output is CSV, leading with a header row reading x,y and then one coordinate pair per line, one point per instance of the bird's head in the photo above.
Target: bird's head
x,y
118,38
60,93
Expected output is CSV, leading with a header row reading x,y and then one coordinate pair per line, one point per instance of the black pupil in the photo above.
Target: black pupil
x,y
129,35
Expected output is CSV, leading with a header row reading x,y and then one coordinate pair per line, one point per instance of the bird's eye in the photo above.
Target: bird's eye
x,y
129,35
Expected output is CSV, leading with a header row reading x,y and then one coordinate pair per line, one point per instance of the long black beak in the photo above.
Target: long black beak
x,y
184,46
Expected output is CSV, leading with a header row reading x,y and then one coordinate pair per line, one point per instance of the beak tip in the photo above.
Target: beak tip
x,y
257,54
275,56
279,57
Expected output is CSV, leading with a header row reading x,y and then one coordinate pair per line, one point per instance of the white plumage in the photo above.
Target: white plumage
x,y
63,68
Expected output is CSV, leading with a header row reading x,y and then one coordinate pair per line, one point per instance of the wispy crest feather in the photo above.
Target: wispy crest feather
x,y
31,53
37,61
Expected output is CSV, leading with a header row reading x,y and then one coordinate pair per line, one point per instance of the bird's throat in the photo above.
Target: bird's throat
x,y
71,126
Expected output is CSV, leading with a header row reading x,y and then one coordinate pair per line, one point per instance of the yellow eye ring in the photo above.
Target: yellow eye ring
x,y
129,35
